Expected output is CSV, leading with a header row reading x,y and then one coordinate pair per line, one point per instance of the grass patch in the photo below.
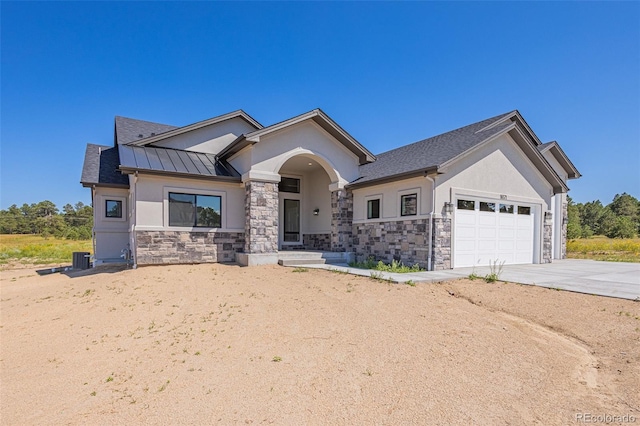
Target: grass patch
x,y
300,270
394,266
603,248
38,250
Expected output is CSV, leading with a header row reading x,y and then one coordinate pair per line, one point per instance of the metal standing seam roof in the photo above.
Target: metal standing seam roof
x,y
167,160
429,154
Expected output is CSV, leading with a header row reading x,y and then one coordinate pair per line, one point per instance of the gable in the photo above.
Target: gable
x,y
303,138
497,167
210,139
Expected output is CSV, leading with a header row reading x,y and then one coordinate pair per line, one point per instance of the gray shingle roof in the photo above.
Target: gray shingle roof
x,y
100,167
167,160
430,153
129,129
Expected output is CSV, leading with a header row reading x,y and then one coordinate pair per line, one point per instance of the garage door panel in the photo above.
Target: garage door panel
x,y
483,237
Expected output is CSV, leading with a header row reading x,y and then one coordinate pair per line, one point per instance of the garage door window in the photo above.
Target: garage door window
x,y
487,207
506,208
524,210
466,205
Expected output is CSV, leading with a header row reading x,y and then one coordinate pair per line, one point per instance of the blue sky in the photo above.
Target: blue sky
x,y
389,73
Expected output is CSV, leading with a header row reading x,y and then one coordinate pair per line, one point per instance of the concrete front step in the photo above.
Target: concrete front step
x,y
296,262
288,258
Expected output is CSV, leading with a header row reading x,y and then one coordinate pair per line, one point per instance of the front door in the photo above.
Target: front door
x,y
291,219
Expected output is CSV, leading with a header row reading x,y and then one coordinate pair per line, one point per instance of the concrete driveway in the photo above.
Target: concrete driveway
x,y
612,279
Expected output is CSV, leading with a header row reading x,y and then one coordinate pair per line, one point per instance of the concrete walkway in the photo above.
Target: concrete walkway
x,y
612,279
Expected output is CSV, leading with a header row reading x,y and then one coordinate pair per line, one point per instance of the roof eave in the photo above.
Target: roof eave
x,y
326,123
406,175
103,185
195,126
131,170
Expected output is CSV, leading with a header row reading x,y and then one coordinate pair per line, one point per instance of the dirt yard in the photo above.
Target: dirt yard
x,y
202,344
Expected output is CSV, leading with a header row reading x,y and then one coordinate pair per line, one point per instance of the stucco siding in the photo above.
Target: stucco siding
x,y
390,195
112,234
305,138
497,168
315,194
211,139
555,165
152,207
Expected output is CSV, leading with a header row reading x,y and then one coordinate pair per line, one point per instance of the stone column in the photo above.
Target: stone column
x,y
341,220
261,223
547,232
441,241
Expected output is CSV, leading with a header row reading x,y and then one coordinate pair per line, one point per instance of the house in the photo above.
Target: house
x,y
230,189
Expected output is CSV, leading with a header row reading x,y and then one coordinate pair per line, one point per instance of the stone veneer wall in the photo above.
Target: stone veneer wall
x,y
341,220
547,253
316,242
261,212
441,241
165,247
403,240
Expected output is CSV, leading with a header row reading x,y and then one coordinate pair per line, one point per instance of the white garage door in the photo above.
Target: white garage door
x,y
486,231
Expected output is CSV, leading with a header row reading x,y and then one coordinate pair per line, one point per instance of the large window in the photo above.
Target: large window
x,y
409,205
113,208
193,210
373,209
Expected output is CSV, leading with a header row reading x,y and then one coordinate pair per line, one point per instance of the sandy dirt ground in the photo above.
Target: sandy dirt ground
x,y
203,344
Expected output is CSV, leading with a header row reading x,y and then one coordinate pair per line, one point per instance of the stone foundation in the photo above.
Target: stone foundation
x,y
341,220
441,243
405,241
167,247
547,232
320,242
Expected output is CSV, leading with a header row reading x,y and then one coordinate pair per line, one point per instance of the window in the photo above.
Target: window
x,y
113,208
289,185
524,210
487,207
373,209
466,205
506,208
409,205
195,210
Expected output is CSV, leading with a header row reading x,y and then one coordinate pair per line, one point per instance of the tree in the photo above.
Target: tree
x,y
623,228
574,229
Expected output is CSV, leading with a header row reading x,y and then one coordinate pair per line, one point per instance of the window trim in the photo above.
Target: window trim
x,y
103,208
371,200
106,208
194,191
402,198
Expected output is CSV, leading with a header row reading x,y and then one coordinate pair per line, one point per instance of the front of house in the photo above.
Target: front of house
x,y
229,189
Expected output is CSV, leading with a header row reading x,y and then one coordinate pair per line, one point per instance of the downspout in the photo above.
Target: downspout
x,y
134,245
93,228
433,206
